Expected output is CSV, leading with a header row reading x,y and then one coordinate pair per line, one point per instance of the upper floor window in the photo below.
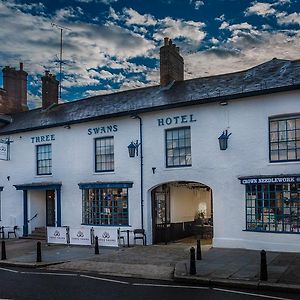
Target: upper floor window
x,y
178,147
44,159
285,139
104,154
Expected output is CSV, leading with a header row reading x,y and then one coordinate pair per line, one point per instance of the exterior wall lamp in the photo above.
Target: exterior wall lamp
x,y
133,148
223,140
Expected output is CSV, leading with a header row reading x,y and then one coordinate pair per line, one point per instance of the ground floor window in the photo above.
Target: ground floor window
x,y
273,207
105,206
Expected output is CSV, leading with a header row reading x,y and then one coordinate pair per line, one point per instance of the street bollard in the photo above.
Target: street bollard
x,y
199,255
263,266
3,251
192,262
38,252
96,245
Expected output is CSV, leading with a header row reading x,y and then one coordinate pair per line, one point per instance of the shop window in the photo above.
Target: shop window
x,y
273,207
105,206
104,154
178,147
44,159
284,139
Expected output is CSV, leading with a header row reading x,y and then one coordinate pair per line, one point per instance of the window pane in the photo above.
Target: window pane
x,y
273,208
104,149
284,136
44,160
178,147
105,207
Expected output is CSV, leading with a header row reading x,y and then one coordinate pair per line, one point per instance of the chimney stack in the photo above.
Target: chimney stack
x,y
15,85
171,63
49,90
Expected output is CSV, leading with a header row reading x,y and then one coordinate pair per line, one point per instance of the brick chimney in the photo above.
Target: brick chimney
x,y
171,63
15,85
49,90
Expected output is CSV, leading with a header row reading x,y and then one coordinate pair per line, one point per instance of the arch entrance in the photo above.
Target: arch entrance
x,y
181,209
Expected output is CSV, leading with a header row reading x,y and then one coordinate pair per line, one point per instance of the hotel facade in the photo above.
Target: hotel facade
x,y
224,149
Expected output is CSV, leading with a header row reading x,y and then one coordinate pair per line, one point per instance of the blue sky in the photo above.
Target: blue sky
x,y
113,45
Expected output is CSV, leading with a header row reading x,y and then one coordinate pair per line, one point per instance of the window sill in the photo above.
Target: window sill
x,y
104,173
43,176
276,232
273,163
177,168
105,225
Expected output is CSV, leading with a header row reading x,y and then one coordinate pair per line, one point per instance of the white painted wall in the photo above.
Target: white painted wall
x,y
247,154
185,202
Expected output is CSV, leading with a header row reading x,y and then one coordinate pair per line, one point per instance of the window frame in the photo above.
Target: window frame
x,y
37,161
166,148
109,221
95,154
283,118
267,213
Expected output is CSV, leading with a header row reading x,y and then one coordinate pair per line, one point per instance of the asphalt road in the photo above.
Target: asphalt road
x,y
38,284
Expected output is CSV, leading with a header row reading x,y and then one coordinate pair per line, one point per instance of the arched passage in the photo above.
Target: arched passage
x,y
181,209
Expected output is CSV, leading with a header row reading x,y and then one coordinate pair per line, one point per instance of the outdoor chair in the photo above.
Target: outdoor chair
x,y
139,234
13,231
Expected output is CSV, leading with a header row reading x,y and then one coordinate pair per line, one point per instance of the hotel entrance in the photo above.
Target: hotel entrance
x,y
180,210
41,205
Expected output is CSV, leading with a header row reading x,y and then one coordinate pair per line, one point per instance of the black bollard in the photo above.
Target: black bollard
x,y
38,252
192,262
199,255
263,266
3,251
96,245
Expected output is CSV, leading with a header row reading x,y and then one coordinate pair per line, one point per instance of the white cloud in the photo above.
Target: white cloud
x,y
284,18
261,9
197,3
134,18
176,28
242,52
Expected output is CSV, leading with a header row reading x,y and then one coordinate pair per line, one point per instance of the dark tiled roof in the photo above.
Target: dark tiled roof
x,y
273,76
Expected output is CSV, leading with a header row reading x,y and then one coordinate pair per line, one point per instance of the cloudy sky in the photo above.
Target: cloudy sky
x,y
113,45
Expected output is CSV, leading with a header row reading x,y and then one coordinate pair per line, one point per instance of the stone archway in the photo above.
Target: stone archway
x,y
181,209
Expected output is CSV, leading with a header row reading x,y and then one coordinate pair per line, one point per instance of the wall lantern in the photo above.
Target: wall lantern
x,y
223,140
133,148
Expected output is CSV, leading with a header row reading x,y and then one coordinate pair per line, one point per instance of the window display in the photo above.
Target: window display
x,y
273,207
105,206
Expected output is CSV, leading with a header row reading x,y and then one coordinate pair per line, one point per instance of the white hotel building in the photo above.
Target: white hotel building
x,y
68,164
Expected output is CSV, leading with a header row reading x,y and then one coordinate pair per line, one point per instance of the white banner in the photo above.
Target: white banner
x,y
3,150
106,237
57,235
80,236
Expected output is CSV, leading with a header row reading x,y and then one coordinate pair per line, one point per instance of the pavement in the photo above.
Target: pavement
x,y
218,267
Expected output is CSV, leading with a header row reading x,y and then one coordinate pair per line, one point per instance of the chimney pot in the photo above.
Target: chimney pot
x,y
21,66
166,39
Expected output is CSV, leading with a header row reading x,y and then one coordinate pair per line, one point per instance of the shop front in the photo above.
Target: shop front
x,y
181,209
272,203
41,205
